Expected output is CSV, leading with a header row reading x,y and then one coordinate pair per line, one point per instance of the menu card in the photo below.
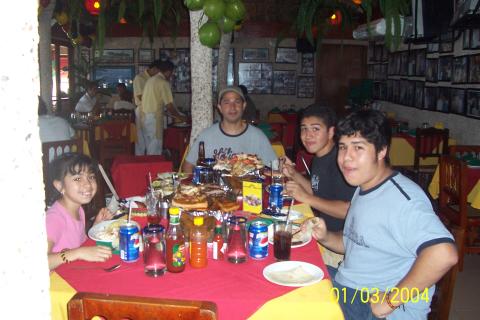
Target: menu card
x,y
252,196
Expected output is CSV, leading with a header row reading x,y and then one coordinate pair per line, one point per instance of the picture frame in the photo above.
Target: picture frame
x,y
109,76
230,68
305,87
431,69
457,100
284,82
445,68
419,91
420,62
181,78
385,55
378,52
446,42
286,55
371,71
371,51
256,77
403,63
115,56
255,54
474,68
460,69
443,99
396,91
473,104
432,47
146,55
389,96
475,38
430,98
308,63
466,39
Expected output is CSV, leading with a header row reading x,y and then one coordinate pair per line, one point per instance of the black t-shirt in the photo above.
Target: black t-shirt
x,y
328,183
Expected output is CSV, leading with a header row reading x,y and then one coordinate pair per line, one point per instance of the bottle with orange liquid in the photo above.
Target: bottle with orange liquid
x,y
198,244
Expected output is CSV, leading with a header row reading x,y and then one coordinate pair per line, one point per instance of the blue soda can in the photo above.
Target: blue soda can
x,y
258,240
197,172
129,242
275,200
209,162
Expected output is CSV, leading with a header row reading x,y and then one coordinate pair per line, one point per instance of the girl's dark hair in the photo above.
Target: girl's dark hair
x,y
72,163
370,124
324,113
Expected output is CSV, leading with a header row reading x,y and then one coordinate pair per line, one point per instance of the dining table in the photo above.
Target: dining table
x,y
240,291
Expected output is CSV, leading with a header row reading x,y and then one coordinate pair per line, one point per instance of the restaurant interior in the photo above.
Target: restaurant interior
x,y
425,78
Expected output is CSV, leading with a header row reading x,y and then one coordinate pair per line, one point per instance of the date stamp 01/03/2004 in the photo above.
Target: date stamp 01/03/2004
x,y
375,295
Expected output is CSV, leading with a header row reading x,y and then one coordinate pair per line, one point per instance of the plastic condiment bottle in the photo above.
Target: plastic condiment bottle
x,y
218,242
198,244
175,254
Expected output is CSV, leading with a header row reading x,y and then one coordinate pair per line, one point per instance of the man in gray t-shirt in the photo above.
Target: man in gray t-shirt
x,y
231,135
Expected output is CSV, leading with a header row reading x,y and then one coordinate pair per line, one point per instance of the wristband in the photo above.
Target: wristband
x,y
387,298
62,255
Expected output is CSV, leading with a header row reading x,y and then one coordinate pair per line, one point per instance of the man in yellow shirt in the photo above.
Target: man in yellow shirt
x,y
138,86
157,96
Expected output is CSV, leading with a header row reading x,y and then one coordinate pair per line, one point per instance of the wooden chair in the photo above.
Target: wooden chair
x,y
442,299
114,140
112,307
429,142
453,207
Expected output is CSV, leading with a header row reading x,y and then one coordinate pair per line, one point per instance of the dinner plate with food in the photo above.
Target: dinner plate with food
x,y
293,273
169,175
240,164
107,231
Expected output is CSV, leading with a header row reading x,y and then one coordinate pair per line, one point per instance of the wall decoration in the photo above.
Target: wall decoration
x,y
230,68
445,68
460,69
115,56
420,63
286,55
457,101
305,87
181,80
389,96
412,59
466,39
431,70
308,63
255,54
473,103
430,98
419,90
443,99
385,55
446,42
284,82
474,68
378,53
432,47
396,91
475,39
403,63
146,55
109,76
257,77
370,71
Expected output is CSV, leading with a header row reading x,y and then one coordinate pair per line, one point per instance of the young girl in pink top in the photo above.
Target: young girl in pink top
x,y
74,177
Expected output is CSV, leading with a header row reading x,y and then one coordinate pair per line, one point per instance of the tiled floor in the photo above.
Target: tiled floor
x,y
466,303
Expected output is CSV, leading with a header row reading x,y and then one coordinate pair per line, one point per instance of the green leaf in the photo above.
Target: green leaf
x,y
157,11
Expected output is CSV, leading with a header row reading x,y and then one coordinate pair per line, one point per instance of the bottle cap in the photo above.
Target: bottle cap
x,y
198,221
174,210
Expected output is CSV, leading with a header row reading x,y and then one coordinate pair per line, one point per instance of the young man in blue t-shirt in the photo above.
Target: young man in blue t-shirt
x,y
395,246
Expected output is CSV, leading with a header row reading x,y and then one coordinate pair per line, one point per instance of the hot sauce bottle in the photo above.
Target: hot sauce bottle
x,y
176,255
218,242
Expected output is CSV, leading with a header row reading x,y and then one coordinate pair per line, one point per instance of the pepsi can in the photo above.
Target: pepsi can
x,y
197,173
258,240
276,200
129,242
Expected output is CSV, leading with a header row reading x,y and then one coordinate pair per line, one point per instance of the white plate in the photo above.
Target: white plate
x,y
99,231
293,273
300,240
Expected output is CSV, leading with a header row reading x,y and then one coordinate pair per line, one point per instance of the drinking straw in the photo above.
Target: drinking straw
x,y
290,207
183,158
305,164
129,210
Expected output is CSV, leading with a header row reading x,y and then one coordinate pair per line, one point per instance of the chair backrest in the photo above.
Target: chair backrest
x,y
453,191
461,150
430,142
115,130
87,305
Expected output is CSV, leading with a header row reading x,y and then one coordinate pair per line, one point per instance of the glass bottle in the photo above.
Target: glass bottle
x,y
198,244
201,154
176,255
218,242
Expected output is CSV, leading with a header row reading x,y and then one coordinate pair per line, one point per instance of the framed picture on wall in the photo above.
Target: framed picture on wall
x,y
403,63
115,56
305,87
443,99
389,96
284,82
141,68
109,76
384,54
378,52
308,63
420,63
458,101
466,39
85,54
431,70
460,69
430,98
446,42
473,103
371,71
146,55
257,77
474,68
419,89
371,51
432,47
412,59
475,39
396,91
445,68
255,54
181,80
286,55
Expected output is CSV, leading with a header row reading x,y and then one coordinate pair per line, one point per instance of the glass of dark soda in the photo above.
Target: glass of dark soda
x,y
282,240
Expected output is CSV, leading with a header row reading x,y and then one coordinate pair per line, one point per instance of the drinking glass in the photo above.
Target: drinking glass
x,y
236,243
154,250
151,202
277,175
282,240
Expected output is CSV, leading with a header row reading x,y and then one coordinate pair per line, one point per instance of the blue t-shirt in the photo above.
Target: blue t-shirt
x,y
385,230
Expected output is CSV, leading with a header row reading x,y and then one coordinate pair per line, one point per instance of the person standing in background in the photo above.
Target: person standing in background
x,y
138,85
88,102
250,113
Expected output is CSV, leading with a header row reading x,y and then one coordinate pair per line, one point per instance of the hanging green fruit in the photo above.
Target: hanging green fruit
x,y
194,5
235,10
214,9
226,24
209,34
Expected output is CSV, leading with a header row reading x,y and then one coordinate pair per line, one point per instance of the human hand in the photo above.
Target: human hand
x,y
295,190
94,253
102,215
315,226
379,305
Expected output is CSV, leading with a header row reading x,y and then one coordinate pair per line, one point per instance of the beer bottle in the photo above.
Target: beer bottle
x,y
201,154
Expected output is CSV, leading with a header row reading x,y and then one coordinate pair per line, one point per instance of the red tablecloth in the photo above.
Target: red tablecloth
x,y
238,290
130,173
